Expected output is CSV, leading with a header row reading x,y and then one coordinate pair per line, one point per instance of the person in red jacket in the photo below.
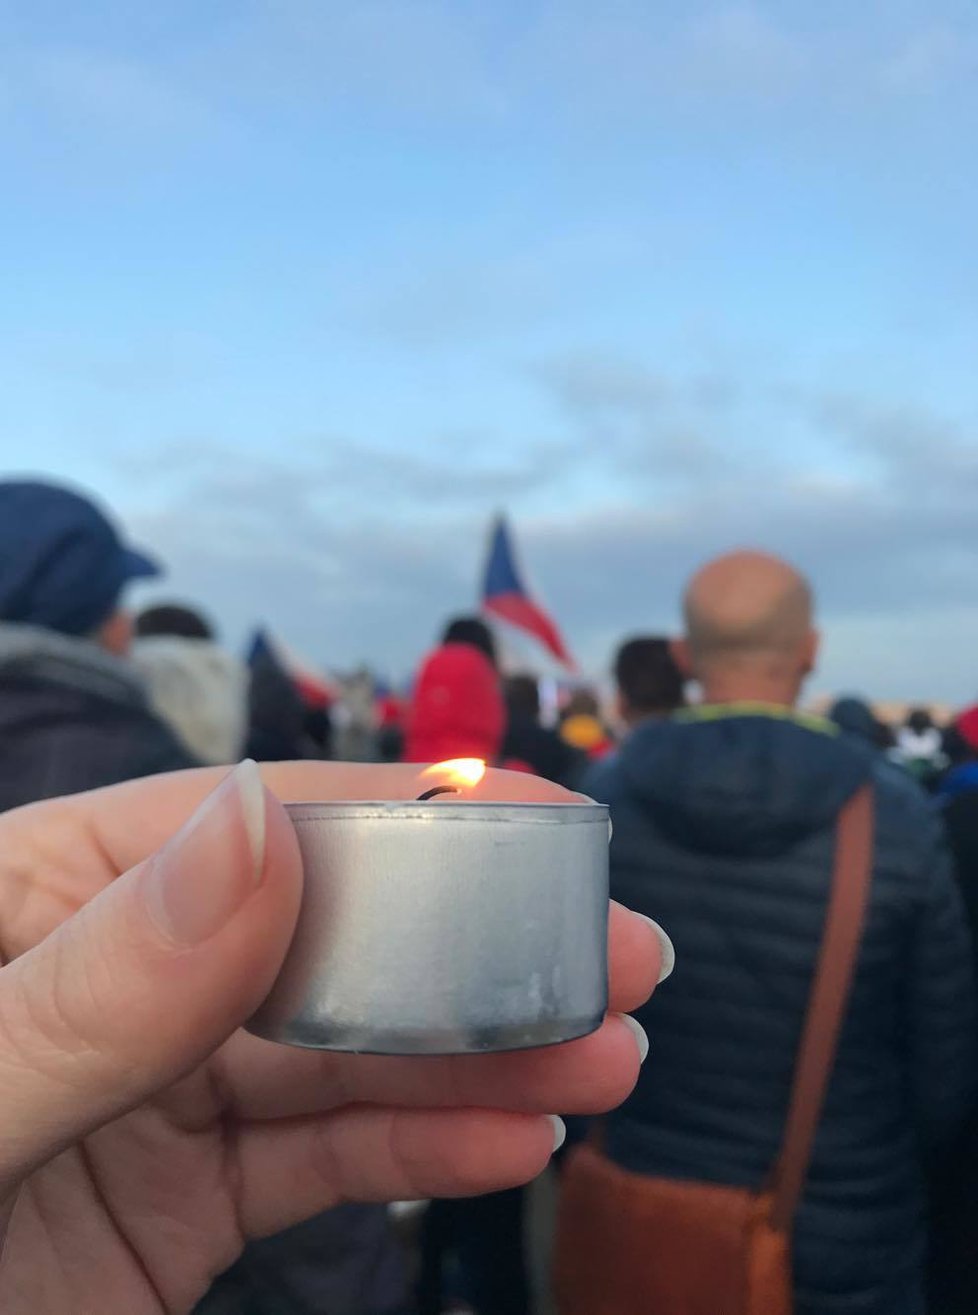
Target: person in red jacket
x,y
457,708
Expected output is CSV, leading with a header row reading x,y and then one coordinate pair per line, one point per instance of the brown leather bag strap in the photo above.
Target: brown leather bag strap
x,y
827,1003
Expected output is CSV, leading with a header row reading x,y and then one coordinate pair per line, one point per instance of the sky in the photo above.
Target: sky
x,y
307,290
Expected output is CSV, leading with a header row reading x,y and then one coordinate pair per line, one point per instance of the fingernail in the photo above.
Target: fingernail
x,y
205,873
667,947
247,777
640,1035
560,1131
586,798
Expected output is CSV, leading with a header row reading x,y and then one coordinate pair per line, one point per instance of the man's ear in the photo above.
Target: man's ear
x,y
679,648
621,709
813,643
115,634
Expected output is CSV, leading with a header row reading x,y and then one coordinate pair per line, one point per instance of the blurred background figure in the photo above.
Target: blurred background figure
x,y
649,687
920,747
197,687
354,718
857,720
474,631
648,683
582,727
390,710
532,747
456,708
74,711
958,800
344,1262
954,1259
288,705
855,717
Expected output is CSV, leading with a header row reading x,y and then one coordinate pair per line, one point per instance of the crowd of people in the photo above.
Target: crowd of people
x,y
726,798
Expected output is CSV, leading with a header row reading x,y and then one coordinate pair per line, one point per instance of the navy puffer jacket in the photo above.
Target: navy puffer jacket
x,y
724,832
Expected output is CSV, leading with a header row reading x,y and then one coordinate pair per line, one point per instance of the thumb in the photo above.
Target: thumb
x,y
150,977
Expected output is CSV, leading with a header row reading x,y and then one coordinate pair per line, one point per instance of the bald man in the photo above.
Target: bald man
x,y
724,831
749,631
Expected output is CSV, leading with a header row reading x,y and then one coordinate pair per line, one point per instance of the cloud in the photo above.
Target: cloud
x,y
915,451
592,384
355,552
638,423
443,301
108,98
496,281
738,50
336,476
361,552
256,551
930,59
572,66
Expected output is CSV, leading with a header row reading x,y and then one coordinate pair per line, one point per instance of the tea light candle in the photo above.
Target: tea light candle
x,y
445,925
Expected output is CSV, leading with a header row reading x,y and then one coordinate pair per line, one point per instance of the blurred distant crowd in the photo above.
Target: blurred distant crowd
x,y
724,798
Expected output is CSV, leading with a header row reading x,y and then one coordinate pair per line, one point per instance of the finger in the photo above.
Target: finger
x,y
583,1077
164,803
587,1076
118,827
291,1170
150,977
634,959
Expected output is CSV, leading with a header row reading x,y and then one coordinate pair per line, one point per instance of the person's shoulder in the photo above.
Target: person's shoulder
x,y
899,795
151,746
601,780
909,827
126,740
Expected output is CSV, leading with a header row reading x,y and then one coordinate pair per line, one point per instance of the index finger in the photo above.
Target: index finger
x,y
163,803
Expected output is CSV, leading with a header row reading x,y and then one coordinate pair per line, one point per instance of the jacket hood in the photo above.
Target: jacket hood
x,y
199,690
855,717
31,653
457,708
742,781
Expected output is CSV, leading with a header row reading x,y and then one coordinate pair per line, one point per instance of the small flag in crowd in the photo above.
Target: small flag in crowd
x,y
504,595
315,687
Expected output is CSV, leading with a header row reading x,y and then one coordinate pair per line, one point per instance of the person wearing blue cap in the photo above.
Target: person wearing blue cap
x,y
73,712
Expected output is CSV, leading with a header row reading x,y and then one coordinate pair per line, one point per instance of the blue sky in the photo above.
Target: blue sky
x,y
309,290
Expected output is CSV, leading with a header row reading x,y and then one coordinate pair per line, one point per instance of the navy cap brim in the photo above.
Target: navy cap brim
x,y
137,566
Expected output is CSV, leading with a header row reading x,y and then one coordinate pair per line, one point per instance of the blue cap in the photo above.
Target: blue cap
x,y
62,564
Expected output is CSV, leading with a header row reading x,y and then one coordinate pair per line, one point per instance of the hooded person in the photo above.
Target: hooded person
x,y
197,687
456,708
74,711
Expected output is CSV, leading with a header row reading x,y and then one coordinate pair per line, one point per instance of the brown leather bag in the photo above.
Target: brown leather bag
x,y
629,1244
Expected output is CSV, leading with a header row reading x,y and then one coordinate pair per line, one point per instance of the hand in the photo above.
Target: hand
x,y
143,1137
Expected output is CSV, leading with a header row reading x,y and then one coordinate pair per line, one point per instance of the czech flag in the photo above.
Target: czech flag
x,y
316,689
504,595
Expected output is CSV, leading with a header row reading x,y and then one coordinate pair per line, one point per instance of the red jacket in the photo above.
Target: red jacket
x,y
457,708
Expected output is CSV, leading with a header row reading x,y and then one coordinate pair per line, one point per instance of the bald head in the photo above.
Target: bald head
x,y
749,620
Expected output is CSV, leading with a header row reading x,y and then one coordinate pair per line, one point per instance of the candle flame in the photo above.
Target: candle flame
x,y
463,773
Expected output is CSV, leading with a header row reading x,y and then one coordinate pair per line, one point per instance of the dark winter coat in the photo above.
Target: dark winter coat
x,y
724,832
343,1262
954,1263
543,751
72,718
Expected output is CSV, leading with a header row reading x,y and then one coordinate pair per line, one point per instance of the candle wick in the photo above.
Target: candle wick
x,y
436,790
